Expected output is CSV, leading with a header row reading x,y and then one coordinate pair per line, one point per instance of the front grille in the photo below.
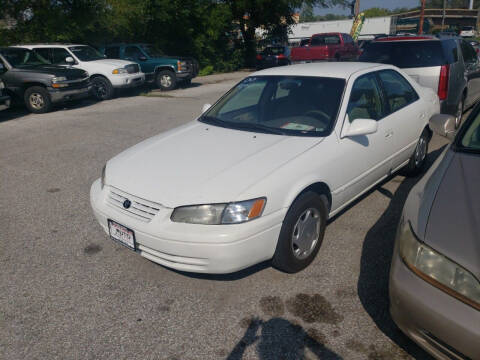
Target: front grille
x,y
78,85
139,209
132,68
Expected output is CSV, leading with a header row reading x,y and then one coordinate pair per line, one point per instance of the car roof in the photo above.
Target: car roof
x,y
341,70
38,46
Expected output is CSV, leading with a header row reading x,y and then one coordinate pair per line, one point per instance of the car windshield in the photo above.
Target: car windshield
x,y
470,140
86,53
271,50
23,57
152,51
285,105
405,54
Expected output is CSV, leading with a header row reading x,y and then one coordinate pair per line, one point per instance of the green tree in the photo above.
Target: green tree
x,y
376,12
306,14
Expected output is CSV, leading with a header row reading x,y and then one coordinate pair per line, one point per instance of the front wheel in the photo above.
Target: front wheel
x,y
419,156
302,233
37,99
102,89
166,80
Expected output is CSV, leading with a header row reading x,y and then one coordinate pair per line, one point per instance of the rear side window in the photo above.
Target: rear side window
x,y
113,52
405,54
44,53
450,50
365,100
469,54
398,92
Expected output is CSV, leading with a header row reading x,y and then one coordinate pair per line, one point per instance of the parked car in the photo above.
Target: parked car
x,y
298,144
273,56
327,46
4,98
106,75
166,71
476,46
435,272
467,31
447,65
33,80
305,42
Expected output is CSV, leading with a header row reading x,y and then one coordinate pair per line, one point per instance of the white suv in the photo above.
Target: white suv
x,y
106,74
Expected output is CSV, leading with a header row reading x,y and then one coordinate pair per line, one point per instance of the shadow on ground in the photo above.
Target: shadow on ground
x,y
376,260
279,338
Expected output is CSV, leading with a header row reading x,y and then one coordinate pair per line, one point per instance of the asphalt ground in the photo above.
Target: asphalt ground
x,y
68,292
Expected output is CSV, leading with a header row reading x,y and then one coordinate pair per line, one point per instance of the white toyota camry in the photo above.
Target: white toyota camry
x,y
259,173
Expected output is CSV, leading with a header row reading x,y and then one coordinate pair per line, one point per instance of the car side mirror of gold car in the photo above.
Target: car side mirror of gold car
x,y
443,125
359,127
206,107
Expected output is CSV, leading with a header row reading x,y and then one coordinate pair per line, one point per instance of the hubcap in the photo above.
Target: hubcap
x,y
420,151
36,101
166,80
100,89
305,233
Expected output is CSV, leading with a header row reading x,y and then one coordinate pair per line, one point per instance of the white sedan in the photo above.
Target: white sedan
x,y
259,173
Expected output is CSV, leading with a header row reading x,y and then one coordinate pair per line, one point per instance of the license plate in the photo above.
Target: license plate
x,y
122,234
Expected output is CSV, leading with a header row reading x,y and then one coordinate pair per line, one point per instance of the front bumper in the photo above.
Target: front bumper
x,y
190,247
4,102
441,324
127,80
185,75
59,95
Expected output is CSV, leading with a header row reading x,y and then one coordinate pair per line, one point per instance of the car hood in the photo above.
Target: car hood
x,y
199,163
69,72
114,63
454,223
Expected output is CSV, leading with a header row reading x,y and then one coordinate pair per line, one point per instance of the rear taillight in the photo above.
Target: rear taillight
x,y
443,82
281,56
259,57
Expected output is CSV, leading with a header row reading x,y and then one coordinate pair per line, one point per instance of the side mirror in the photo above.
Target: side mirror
x,y
206,107
360,127
142,58
443,125
69,60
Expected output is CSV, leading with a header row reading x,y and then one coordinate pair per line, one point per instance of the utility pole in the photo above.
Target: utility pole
x,y
357,7
422,15
470,6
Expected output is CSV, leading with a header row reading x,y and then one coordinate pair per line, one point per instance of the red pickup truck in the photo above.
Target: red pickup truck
x,y
326,46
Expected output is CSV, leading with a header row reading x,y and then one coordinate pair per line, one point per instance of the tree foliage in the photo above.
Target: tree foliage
x,y
220,33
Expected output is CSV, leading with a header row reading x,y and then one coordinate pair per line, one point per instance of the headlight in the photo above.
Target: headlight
x,y
437,269
119,71
56,82
182,65
216,214
102,179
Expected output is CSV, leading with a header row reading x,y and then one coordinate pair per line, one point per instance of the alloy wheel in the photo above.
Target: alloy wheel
x,y
36,101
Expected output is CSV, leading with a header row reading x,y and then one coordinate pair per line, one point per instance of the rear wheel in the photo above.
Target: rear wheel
x,y
302,233
166,80
102,89
37,99
419,156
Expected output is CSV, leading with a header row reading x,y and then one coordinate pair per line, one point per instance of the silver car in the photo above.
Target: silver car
x,y
434,278
448,65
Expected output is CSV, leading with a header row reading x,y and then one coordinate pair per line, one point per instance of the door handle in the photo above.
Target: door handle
x,y
422,115
389,134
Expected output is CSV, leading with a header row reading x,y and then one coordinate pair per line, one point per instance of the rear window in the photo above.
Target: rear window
x,y
325,40
274,50
410,54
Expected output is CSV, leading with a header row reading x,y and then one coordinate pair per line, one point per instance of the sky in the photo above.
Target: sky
x,y
366,4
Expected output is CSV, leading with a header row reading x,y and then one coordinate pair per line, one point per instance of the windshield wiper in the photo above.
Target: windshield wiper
x,y
242,126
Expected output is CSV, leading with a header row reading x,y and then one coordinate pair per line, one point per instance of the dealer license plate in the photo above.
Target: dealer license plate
x,y
121,234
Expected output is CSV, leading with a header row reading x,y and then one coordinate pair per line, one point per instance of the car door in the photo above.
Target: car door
x,y
472,73
366,158
405,117
45,53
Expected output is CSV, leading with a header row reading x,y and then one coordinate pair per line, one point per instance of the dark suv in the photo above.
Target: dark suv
x,y
448,65
29,77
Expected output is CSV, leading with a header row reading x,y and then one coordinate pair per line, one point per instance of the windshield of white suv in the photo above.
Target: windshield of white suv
x,y
152,51
19,58
285,105
86,53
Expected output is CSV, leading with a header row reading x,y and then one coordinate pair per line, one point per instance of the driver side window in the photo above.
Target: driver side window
x,y
133,52
365,100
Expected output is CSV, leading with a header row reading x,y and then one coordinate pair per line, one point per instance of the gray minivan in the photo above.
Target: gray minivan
x,y
448,65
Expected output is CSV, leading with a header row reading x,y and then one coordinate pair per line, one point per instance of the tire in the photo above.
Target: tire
x,y
166,80
419,156
289,256
459,113
37,99
102,88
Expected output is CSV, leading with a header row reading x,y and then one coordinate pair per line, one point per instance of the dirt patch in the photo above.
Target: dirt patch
x,y
346,292
272,305
53,190
92,249
373,353
313,308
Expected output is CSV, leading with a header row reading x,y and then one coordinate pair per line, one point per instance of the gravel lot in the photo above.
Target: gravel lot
x,y
69,292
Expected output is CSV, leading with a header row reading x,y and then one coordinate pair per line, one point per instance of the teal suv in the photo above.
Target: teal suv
x,y
166,71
